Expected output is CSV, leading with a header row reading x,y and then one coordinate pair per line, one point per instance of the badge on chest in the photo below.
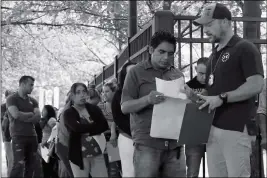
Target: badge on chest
x,y
211,80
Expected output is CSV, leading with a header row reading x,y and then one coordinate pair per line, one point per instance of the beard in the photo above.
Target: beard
x,y
213,39
216,40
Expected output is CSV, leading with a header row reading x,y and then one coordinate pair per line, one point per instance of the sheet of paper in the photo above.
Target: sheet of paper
x,y
53,134
44,153
113,153
168,116
171,88
101,140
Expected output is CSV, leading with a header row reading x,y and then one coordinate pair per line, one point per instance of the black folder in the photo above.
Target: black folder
x,y
196,125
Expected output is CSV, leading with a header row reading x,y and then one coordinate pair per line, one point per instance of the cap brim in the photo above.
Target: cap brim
x,y
201,21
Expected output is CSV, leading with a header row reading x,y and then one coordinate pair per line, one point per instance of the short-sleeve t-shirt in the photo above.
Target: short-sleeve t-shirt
x,y
196,86
18,127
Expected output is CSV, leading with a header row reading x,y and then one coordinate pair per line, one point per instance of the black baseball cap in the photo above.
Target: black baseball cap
x,y
211,12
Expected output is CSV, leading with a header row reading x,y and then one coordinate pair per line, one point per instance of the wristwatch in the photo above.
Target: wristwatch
x,y
223,97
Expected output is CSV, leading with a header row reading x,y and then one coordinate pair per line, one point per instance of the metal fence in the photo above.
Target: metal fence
x,y
192,39
191,45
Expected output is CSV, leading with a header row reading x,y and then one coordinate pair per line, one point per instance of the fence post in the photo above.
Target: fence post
x,y
163,20
103,75
251,30
116,67
95,79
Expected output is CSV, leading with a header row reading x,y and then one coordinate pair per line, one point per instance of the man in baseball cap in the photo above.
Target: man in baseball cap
x,y
234,76
212,12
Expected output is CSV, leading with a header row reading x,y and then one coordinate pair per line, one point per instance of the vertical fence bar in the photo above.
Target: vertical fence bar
x,y
179,45
191,51
235,28
116,67
103,75
129,49
95,79
204,155
202,44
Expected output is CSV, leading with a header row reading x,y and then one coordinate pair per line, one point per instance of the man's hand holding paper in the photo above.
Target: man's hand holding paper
x,y
155,97
167,116
173,118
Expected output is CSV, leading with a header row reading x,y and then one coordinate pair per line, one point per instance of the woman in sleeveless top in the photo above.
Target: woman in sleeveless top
x,y
86,125
112,146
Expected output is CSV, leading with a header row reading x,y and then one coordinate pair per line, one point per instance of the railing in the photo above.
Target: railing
x,y
191,43
138,52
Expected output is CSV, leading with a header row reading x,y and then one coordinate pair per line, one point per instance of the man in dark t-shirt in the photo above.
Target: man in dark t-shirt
x,y
194,153
23,113
234,77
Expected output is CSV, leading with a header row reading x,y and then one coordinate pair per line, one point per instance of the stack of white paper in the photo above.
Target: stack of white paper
x,y
168,116
44,154
113,153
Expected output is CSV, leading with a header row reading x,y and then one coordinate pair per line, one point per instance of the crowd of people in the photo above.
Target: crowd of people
x,y
79,135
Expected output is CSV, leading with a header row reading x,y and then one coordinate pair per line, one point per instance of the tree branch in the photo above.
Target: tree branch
x,y
104,17
111,42
45,49
181,35
240,4
80,10
98,58
3,23
35,18
150,6
36,11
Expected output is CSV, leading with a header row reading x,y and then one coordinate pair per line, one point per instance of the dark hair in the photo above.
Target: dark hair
x,y
69,102
7,93
203,60
123,73
92,92
50,111
25,78
162,36
113,87
75,85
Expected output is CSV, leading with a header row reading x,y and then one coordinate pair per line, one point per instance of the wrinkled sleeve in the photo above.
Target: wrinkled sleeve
x,y
262,100
251,62
130,87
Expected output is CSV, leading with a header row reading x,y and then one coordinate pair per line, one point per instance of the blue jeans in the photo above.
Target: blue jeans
x,y
148,161
25,155
194,154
